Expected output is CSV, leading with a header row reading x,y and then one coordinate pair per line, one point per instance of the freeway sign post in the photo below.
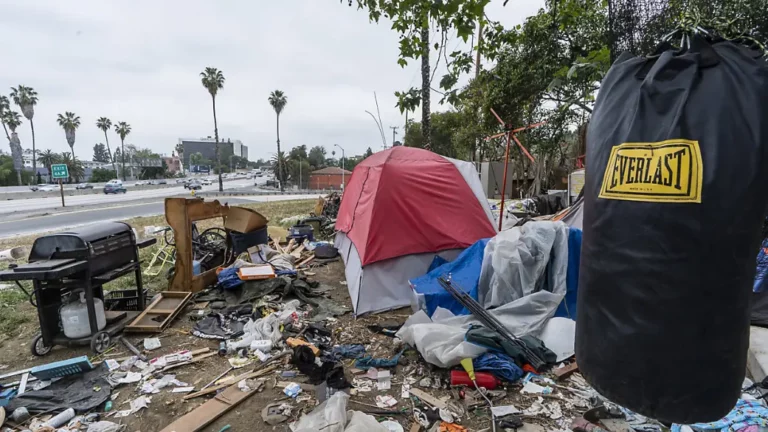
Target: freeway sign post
x,y
60,171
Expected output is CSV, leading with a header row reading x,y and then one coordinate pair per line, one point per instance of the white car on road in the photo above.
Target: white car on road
x,y
206,182
43,187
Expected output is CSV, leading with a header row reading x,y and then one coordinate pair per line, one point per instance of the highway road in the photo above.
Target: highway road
x,y
12,226
53,202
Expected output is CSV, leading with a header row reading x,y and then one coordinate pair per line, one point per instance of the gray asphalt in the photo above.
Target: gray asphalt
x,y
10,227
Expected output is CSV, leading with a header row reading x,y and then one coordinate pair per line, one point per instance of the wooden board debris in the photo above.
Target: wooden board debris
x,y
160,313
197,419
428,398
566,371
231,381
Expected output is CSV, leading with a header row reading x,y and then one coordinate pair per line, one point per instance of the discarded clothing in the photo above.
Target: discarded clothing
x,y
229,279
366,363
82,392
493,341
499,365
354,351
745,413
225,324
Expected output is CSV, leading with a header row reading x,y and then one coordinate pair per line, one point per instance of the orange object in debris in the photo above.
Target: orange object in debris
x,y
451,427
293,343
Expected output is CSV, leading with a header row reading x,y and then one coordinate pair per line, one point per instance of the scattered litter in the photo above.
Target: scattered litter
x,y
130,377
532,388
385,401
151,344
405,392
105,426
425,382
239,362
384,380
183,389
292,390
274,414
504,410
392,426
112,364
288,374
155,385
451,427
446,415
362,385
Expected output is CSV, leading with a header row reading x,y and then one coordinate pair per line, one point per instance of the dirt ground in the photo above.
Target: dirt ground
x,y
166,407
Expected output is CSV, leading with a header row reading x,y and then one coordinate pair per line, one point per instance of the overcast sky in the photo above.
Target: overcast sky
x,y
139,61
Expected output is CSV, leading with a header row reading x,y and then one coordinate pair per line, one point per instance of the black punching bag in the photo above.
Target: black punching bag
x,y
675,194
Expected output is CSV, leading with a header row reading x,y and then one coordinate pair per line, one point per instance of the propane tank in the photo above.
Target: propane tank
x,y
74,316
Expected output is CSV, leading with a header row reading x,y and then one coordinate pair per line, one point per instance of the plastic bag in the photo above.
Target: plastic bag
x,y
329,416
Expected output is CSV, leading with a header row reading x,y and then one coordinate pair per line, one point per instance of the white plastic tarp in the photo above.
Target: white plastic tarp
x,y
515,275
523,260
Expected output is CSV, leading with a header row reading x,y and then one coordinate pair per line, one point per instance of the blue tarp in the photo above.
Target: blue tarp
x,y
567,308
464,270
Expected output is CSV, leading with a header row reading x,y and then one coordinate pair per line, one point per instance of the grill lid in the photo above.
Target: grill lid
x,y
76,242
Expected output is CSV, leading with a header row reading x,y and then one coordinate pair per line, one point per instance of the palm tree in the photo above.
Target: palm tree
x,y
278,100
69,122
26,99
12,120
180,153
105,124
122,129
5,105
213,81
48,158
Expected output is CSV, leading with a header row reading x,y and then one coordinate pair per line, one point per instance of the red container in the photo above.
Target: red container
x,y
459,378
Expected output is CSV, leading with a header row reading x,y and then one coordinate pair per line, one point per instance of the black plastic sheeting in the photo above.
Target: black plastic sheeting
x,y
673,205
83,392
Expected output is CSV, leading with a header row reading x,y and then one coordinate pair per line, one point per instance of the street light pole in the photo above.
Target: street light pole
x,y
342,166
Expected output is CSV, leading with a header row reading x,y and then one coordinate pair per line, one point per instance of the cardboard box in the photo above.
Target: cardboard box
x,y
244,220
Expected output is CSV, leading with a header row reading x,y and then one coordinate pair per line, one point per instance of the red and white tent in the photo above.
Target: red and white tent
x,y
402,207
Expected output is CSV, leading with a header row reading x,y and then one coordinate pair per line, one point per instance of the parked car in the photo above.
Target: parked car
x,y
162,181
206,182
84,186
194,185
114,186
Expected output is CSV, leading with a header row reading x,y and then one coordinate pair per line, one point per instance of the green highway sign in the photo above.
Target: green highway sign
x,y
59,171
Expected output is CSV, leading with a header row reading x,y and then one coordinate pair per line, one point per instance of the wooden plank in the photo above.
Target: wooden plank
x,y
428,398
297,252
197,419
155,318
231,381
566,371
306,261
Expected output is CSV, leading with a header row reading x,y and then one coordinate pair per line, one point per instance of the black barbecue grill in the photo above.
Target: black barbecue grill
x,y
84,259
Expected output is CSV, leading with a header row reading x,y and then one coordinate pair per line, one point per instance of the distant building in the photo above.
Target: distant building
x,y
207,147
173,163
329,178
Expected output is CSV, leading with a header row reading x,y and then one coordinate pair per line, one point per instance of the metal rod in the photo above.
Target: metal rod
x,y
490,321
218,378
504,183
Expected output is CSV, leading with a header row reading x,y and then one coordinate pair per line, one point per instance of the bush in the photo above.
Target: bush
x,y
102,175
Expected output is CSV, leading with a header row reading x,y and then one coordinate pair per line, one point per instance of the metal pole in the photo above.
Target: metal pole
x,y
61,189
504,182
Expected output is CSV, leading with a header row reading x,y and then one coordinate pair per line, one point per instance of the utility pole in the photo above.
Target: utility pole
x,y
394,133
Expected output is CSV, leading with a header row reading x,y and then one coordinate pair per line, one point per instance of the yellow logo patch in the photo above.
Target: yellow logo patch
x,y
666,171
